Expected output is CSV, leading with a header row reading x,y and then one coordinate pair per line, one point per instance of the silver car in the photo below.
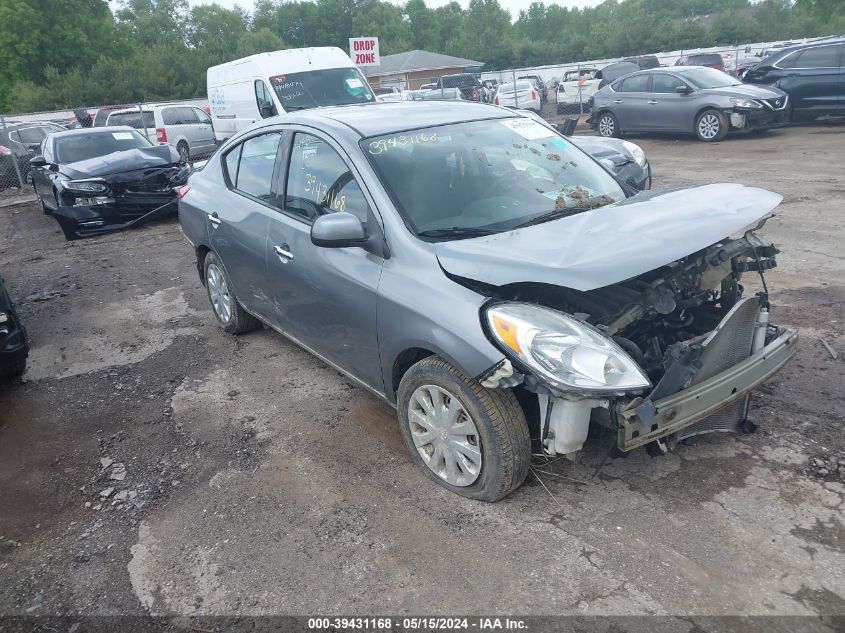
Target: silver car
x,y
689,99
488,279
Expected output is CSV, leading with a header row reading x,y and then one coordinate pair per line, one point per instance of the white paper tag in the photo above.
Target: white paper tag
x,y
122,136
528,129
354,83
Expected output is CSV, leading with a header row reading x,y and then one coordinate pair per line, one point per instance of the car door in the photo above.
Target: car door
x,y
237,227
630,103
41,176
813,79
204,130
669,110
325,298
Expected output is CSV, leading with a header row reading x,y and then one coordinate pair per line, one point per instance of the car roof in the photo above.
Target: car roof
x,y
86,131
798,47
375,119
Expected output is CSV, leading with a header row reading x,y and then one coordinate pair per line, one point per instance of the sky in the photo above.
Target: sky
x,y
514,6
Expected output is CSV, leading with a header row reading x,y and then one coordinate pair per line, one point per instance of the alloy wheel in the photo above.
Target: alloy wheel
x,y
709,126
445,435
218,292
606,126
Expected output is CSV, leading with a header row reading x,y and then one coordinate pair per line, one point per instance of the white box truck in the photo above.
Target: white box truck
x,y
245,90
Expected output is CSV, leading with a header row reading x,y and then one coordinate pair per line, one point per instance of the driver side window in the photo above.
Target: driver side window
x,y
320,182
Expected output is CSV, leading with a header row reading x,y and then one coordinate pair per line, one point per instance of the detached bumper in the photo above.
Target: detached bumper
x,y
684,408
748,120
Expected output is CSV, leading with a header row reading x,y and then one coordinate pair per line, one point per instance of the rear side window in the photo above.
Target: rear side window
x,y
320,182
30,135
250,165
817,57
170,116
187,116
637,83
133,119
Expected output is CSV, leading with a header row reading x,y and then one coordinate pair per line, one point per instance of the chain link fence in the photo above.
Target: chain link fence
x,y
21,134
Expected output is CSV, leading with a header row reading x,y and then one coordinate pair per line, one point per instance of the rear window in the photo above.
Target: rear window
x,y
706,58
71,149
133,119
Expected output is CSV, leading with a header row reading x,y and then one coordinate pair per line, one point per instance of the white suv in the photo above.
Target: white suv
x,y
186,127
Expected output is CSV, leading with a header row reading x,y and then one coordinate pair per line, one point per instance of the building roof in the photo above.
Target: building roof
x,y
417,60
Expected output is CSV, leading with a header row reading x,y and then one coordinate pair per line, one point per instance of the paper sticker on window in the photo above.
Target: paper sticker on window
x,y
528,129
354,82
122,136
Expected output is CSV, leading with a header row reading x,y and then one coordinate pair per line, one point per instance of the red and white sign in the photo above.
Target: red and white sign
x,y
364,51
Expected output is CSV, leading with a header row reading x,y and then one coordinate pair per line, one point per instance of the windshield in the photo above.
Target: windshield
x,y
487,176
71,149
315,88
705,78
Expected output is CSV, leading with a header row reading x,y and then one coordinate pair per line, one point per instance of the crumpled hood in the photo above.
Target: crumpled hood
x,y
612,243
599,147
118,162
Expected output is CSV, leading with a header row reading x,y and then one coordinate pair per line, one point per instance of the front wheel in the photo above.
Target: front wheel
x,y
711,126
607,125
469,439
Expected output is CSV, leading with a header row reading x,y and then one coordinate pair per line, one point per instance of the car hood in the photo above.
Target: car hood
x,y
118,162
612,243
598,147
750,91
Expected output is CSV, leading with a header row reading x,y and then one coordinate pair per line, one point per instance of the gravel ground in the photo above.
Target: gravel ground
x,y
150,463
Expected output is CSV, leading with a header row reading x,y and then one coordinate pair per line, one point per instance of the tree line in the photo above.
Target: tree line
x,y
81,53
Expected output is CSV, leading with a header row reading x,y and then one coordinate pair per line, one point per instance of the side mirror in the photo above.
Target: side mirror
x,y
338,230
267,111
37,161
683,89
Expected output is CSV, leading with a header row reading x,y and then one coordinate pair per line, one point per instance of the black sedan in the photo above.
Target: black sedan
x,y
105,179
14,344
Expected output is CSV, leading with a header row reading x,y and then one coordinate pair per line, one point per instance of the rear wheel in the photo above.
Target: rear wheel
x,y
711,126
224,303
607,125
469,439
184,152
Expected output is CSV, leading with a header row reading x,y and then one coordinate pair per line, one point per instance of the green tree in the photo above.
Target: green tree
x,y
261,41
425,29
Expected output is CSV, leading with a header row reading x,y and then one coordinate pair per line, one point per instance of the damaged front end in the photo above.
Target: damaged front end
x,y
699,346
114,202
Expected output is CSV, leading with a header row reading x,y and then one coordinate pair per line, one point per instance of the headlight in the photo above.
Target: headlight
x,y
563,352
748,104
636,151
86,186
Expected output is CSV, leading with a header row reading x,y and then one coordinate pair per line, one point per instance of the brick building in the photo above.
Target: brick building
x,y
409,71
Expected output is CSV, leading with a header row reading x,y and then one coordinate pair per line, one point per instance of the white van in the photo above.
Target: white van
x,y
243,91
184,126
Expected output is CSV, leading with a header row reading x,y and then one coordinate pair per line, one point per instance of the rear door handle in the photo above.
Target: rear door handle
x,y
652,102
617,101
212,217
283,252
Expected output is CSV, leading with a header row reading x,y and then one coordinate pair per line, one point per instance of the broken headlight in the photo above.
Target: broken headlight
x,y
561,351
86,186
636,151
746,104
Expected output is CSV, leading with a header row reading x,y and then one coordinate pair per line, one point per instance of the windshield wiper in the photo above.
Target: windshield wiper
x,y
553,215
456,232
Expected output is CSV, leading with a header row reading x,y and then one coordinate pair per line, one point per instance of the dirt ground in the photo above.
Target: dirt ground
x,y
256,480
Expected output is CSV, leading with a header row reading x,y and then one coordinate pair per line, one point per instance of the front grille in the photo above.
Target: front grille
x,y
724,348
776,103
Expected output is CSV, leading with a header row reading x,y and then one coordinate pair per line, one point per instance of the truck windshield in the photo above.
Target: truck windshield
x,y
315,88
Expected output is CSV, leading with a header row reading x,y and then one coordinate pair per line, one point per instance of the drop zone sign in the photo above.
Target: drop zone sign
x,y
364,51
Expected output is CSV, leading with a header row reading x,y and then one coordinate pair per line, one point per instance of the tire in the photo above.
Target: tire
x,y
496,430
12,371
711,126
225,305
184,151
607,125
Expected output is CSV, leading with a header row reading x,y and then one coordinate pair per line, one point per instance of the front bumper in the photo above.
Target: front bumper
x,y
765,119
684,408
14,343
125,212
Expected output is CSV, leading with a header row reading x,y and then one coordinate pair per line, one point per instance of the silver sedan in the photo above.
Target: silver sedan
x,y
690,99
489,279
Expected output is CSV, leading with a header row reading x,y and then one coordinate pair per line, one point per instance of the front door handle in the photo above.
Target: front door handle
x,y
617,101
283,252
652,102
216,221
